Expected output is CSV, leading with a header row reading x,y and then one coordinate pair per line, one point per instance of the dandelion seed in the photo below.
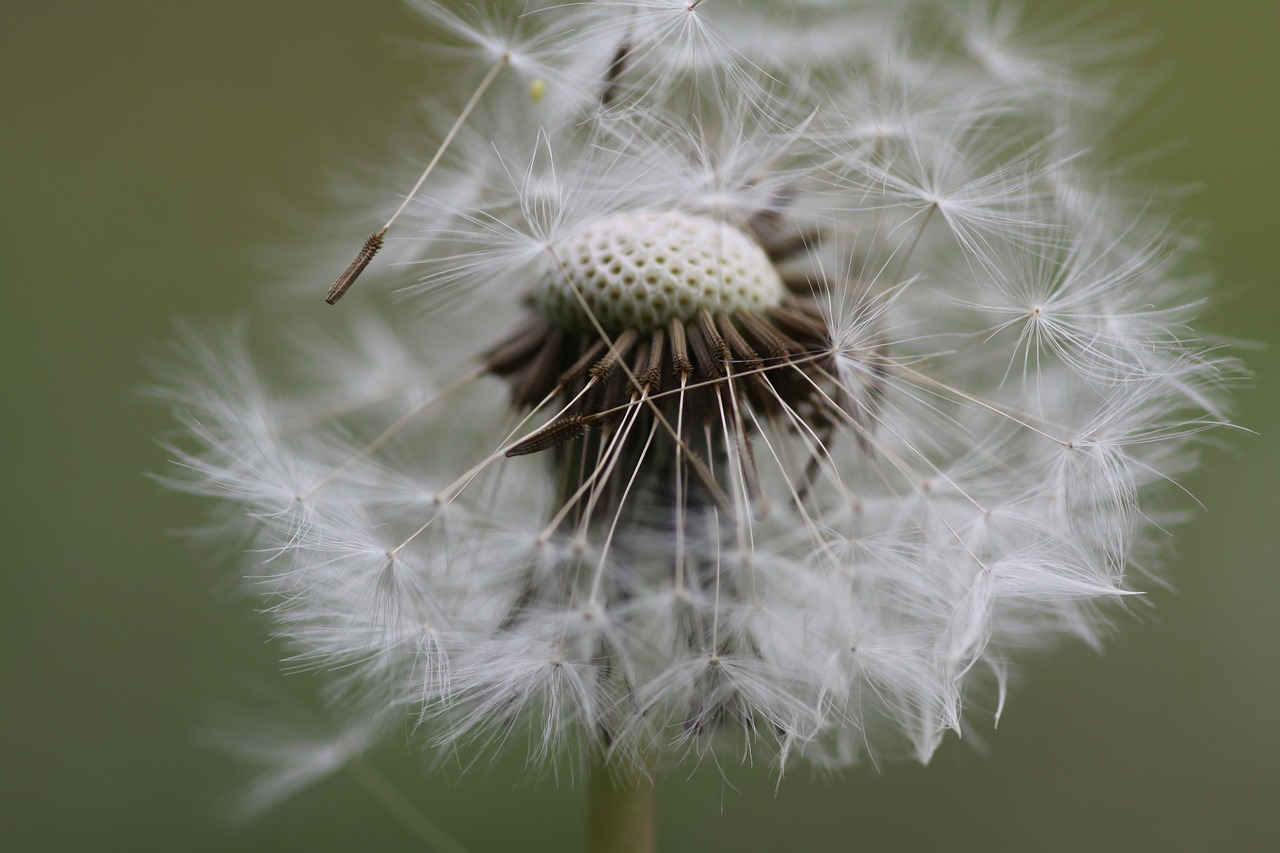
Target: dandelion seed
x,y
759,404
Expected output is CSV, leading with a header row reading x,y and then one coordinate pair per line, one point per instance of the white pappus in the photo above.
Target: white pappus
x,y
776,375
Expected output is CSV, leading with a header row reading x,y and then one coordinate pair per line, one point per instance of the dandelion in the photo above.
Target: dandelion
x,y
777,375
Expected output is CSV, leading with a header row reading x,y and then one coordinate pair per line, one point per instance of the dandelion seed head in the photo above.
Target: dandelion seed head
x,y
762,395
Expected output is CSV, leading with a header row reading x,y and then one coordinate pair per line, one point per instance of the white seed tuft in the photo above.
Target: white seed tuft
x,y
820,530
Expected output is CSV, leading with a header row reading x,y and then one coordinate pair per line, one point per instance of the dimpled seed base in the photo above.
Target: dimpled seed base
x,y
638,270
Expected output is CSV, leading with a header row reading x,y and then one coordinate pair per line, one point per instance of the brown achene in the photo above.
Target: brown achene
x,y
699,385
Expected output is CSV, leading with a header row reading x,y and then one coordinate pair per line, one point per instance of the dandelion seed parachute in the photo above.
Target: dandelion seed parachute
x,y
782,373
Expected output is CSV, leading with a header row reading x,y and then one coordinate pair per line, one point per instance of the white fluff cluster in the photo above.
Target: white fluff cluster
x,y
969,464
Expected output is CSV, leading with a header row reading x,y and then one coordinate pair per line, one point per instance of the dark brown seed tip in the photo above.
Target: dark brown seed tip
x,y
553,435
349,276
617,65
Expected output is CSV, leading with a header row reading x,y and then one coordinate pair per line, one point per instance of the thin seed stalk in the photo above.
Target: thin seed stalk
x,y
621,812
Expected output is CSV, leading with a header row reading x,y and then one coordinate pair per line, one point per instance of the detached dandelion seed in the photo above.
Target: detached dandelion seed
x,y
779,376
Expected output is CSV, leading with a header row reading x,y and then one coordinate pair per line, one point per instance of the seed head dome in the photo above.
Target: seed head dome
x,y
639,270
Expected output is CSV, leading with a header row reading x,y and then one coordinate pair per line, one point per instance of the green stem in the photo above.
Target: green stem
x,y
620,812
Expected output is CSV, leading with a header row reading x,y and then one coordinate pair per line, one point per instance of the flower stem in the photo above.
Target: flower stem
x,y
620,812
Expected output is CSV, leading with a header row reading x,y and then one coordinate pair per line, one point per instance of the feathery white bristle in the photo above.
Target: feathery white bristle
x,y
948,377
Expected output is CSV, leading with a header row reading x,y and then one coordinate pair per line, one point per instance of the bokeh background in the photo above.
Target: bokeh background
x,y
147,150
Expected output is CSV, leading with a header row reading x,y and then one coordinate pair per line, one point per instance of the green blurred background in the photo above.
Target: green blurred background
x,y
141,145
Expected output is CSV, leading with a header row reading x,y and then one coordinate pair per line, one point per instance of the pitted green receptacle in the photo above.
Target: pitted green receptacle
x,y
639,270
